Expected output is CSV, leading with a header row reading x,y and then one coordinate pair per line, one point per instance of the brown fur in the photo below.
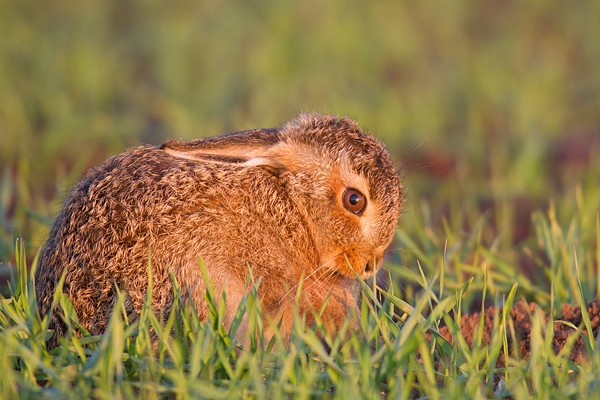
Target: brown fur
x,y
270,199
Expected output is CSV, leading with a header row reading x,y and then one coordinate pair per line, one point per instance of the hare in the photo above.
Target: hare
x,y
315,201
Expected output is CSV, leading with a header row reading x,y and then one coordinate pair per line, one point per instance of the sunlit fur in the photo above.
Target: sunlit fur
x,y
265,199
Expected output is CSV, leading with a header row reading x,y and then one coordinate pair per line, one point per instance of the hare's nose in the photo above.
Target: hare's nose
x,y
373,263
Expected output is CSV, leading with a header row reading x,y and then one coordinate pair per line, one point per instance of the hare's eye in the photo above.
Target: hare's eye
x,y
354,201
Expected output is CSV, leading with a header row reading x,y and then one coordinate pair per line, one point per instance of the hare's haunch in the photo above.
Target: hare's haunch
x,y
317,199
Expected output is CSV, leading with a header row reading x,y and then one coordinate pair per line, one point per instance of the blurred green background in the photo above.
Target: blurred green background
x,y
492,108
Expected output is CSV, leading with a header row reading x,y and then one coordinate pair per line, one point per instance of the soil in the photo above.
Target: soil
x,y
521,315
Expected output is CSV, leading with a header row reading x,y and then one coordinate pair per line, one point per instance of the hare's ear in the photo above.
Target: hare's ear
x,y
249,148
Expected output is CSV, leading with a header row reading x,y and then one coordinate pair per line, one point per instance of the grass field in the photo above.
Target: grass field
x,y
491,108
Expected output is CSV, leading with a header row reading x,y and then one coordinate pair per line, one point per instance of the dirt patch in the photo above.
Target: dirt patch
x,y
521,315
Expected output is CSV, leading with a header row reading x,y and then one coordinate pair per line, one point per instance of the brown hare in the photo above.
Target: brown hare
x,y
316,200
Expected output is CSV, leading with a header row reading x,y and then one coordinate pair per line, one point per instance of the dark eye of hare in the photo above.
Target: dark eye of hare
x,y
354,201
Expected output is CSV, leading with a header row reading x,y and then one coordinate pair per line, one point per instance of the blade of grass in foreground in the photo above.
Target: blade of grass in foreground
x,y
589,338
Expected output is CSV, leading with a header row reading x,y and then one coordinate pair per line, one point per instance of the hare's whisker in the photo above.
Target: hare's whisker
x,y
315,287
326,265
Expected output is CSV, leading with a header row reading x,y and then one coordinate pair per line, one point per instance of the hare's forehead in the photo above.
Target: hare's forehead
x,y
349,177
345,169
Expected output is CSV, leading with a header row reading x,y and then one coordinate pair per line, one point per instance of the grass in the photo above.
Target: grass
x,y
396,352
491,109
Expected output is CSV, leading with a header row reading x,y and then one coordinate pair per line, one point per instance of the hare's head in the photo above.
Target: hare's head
x,y
346,182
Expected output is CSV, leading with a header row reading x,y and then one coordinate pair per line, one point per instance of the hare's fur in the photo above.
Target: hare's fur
x,y
268,199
